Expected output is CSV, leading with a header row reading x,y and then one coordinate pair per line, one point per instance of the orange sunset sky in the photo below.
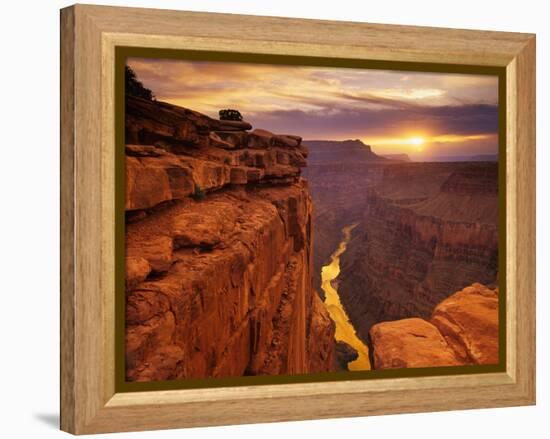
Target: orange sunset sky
x,y
425,115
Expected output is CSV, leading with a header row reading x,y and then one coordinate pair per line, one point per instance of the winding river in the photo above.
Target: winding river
x,y
344,329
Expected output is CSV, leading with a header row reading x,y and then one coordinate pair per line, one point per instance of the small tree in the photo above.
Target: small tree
x,y
198,194
229,114
134,87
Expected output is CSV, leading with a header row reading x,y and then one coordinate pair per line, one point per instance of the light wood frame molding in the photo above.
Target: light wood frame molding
x,y
89,35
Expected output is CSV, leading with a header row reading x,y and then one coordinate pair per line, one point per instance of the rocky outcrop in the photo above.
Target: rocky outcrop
x,y
427,229
218,250
344,354
462,330
468,320
409,343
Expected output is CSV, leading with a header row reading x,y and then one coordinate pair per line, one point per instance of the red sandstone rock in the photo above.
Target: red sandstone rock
x,y
469,322
410,343
238,175
416,243
218,285
261,139
137,270
145,186
463,330
321,346
238,139
175,151
239,305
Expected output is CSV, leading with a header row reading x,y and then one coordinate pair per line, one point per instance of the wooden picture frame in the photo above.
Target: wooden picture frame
x,y
89,38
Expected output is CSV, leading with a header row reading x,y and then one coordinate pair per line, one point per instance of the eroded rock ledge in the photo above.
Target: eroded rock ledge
x,y
218,250
462,330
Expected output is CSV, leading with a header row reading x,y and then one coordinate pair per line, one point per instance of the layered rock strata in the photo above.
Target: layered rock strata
x,y
338,173
218,250
462,330
427,229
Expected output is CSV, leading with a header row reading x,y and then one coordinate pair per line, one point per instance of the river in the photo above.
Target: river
x,y
344,329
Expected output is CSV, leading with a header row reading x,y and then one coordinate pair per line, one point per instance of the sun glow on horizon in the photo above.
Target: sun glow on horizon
x,y
414,143
417,142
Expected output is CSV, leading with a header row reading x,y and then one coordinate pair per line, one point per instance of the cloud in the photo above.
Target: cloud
x,y
469,119
335,103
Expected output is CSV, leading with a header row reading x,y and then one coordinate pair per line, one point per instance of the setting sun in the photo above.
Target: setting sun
x,y
417,141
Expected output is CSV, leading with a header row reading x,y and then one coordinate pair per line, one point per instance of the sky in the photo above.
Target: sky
x,y
424,115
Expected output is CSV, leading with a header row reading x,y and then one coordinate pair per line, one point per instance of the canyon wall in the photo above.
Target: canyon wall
x,y
338,173
218,250
462,330
427,229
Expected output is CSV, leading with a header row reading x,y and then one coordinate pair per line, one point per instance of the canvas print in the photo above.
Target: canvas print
x,y
290,220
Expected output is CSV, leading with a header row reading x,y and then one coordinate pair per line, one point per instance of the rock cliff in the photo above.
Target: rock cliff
x,y
462,330
427,229
218,250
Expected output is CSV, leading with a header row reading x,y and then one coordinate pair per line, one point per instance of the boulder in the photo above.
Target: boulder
x,y
231,125
285,141
410,343
236,138
469,322
260,139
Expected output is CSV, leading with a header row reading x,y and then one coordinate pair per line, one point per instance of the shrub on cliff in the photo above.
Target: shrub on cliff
x,y
198,194
229,114
134,87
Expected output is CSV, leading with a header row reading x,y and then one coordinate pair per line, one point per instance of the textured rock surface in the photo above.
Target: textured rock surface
x,y
427,230
344,354
463,329
409,343
218,250
469,322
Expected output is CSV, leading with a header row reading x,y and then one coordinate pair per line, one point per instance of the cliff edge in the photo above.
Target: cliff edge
x,y
218,250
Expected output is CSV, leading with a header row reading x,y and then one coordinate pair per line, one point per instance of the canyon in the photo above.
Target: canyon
x,y
241,260
427,230
218,250
338,173
424,230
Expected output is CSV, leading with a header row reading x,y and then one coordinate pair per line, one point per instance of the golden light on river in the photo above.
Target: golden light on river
x,y
344,329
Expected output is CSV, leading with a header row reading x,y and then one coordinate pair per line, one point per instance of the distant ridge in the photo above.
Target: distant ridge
x,y
347,150
398,157
485,158
464,158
